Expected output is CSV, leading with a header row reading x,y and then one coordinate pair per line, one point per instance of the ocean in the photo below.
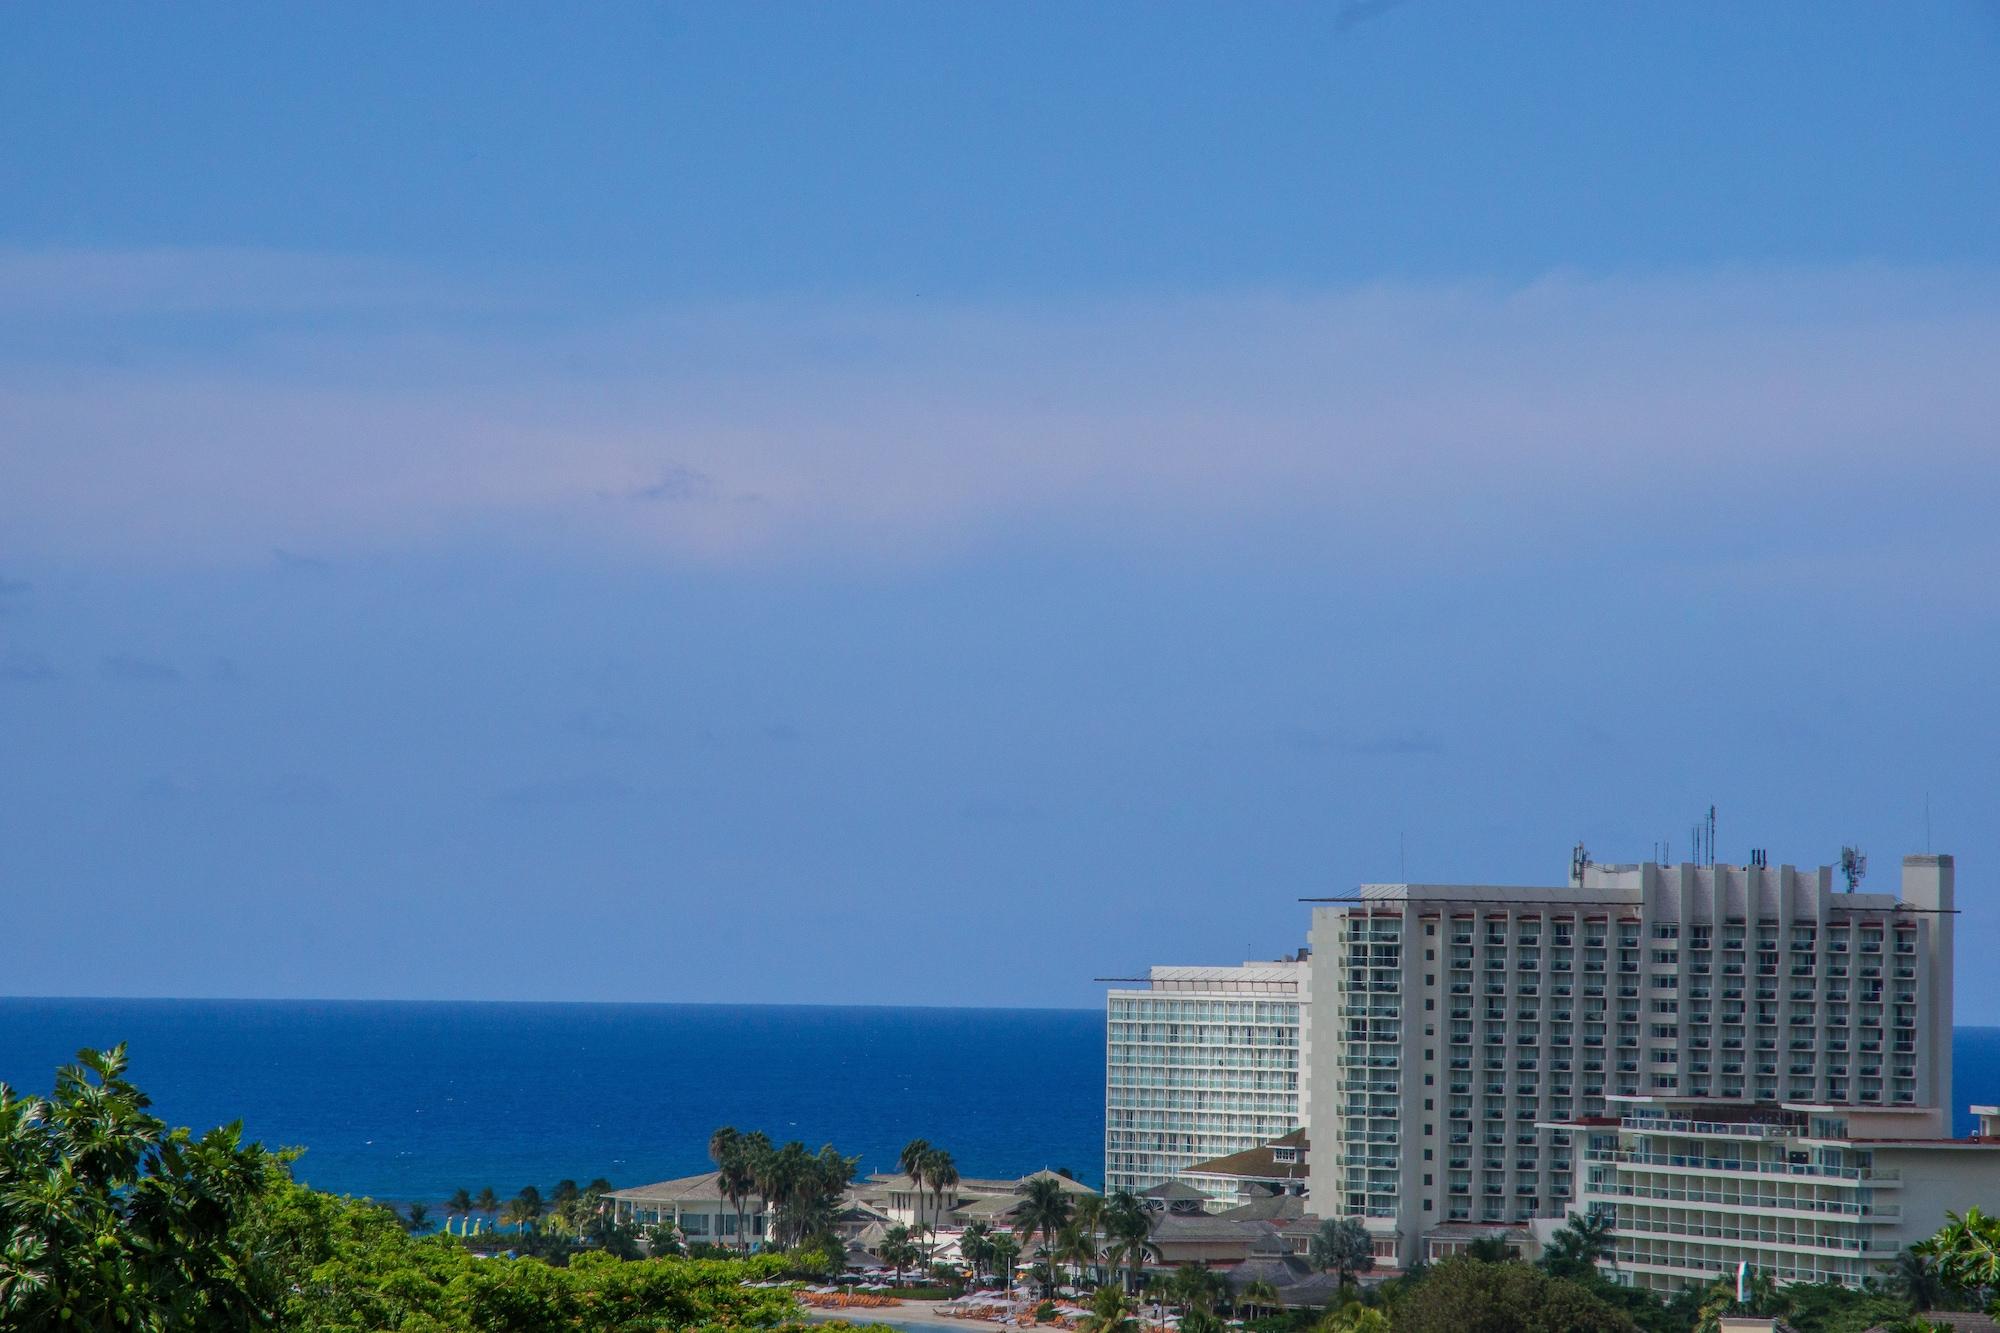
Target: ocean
x,y
406,1101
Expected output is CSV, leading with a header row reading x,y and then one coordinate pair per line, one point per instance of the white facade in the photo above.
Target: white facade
x,y
1805,1194
1202,1062
1456,1024
697,1208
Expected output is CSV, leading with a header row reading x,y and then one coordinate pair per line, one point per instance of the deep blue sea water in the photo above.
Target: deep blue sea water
x,y
413,1100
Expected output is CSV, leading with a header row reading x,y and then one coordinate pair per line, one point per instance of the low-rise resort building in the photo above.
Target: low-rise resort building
x,y
870,1207
695,1206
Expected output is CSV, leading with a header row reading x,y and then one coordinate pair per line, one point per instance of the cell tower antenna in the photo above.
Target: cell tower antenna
x,y
1711,835
1853,866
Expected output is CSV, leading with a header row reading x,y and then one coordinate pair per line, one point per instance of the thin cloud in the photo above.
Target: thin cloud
x,y
299,789
1354,13
603,725
27,668
1403,423
676,485
140,670
588,789
1404,743
297,562
78,284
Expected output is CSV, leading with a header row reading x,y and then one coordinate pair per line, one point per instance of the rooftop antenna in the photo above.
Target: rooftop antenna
x,y
1579,857
1853,866
1711,835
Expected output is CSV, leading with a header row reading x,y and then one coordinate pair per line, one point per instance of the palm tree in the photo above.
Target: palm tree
x,y
975,1246
1044,1211
514,1214
1129,1231
1003,1250
1154,1290
1196,1287
754,1151
1354,1317
1579,1246
527,1207
1087,1215
487,1204
1258,1294
731,1153
725,1149
419,1217
827,1175
911,1162
1765,1302
1111,1311
1076,1247
941,1174
778,1175
1917,1278
1342,1246
896,1250
458,1205
574,1213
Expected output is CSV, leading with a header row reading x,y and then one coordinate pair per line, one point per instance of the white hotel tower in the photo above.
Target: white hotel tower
x,y
1488,1057
1201,1062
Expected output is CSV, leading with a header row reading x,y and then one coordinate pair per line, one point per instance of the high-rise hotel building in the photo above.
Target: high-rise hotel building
x,y
1493,1055
1200,1062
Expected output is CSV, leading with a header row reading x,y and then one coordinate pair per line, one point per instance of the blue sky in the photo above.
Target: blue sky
x,y
933,504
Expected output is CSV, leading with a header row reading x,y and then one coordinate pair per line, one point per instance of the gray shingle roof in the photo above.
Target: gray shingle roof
x,y
1275,1208
1198,1226
673,1191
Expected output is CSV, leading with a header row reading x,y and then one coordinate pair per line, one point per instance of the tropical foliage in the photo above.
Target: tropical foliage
x,y
334,1266
112,1221
1111,1311
898,1251
1354,1317
1044,1211
801,1188
1966,1250
1576,1249
1464,1295
1342,1246
1128,1234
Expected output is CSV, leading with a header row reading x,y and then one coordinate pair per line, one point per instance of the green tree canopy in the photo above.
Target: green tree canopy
x,y
1466,1296
111,1221
1966,1250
